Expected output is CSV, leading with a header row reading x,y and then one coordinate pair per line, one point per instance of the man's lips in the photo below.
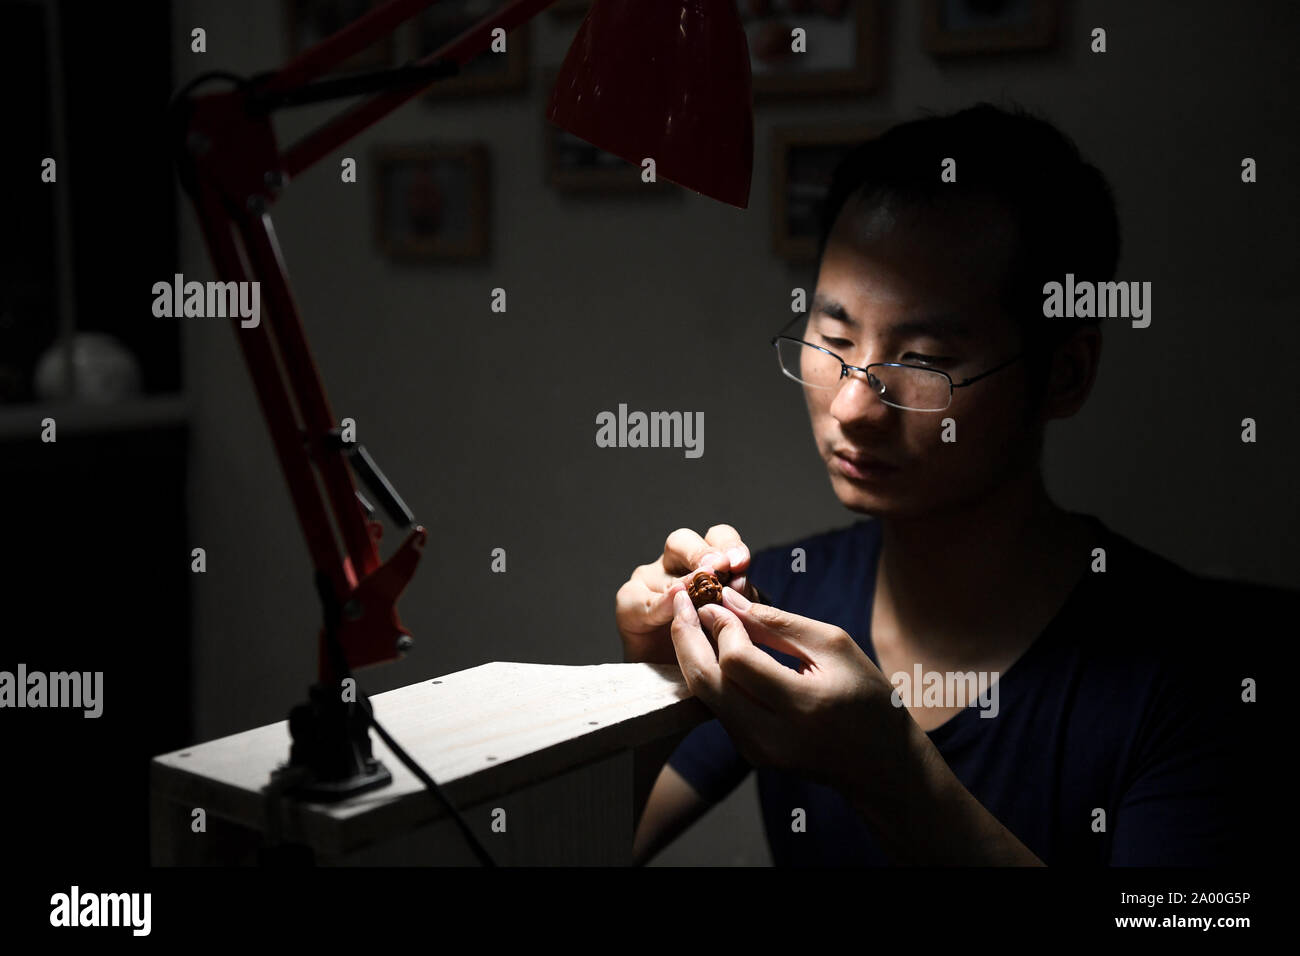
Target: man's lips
x,y
859,460
858,467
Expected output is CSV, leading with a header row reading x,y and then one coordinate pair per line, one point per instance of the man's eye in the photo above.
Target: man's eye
x,y
916,358
831,343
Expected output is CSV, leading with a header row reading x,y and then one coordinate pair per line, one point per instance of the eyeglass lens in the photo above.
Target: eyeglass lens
x,y
900,386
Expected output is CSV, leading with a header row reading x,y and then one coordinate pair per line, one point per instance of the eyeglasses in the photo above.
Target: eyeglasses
x,y
915,388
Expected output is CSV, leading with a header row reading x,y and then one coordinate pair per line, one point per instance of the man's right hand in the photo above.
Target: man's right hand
x,y
643,607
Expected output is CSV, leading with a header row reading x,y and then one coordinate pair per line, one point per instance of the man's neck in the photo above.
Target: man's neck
x,y
981,577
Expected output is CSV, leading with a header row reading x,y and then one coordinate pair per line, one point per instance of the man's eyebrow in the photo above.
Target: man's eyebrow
x,y
827,306
940,323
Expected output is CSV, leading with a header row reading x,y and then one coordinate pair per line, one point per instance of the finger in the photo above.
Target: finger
x,y
652,574
685,551
669,598
745,718
780,630
741,584
727,540
694,653
646,606
768,681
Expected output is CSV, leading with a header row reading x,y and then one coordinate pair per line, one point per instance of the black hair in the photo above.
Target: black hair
x,y
1062,207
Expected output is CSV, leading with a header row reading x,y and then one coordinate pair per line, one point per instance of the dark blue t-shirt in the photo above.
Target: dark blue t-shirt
x,y
1129,701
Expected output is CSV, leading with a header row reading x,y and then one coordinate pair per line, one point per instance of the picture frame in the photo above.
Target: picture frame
x,y
486,73
432,202
307,22
576,167
845,47
964,27
803,158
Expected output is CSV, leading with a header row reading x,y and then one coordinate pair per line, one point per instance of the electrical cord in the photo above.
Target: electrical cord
x,y
475,845
341,667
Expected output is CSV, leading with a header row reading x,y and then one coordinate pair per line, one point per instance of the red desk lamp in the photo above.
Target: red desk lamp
x,y
667,79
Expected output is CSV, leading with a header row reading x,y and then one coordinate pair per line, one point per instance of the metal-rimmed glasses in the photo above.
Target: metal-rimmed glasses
x,y
915,388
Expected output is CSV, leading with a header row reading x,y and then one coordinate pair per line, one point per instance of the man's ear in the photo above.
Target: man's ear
x,y
1072,373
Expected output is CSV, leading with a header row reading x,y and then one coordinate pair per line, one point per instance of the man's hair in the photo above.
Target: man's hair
x,y
1062,207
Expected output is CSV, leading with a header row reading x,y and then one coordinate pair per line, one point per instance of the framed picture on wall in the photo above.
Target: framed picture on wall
x,y
307,22
432,202
843,46
488,72
953,27
803,159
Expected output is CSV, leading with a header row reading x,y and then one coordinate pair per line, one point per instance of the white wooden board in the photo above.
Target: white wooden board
x,y
489,730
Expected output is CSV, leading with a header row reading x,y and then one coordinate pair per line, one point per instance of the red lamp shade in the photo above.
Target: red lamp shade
x,y
668,80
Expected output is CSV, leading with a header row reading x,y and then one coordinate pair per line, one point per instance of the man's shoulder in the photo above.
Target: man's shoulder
x,y
1130,563
1143,607
1141,573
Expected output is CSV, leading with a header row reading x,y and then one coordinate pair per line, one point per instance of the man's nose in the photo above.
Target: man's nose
x,y
858,400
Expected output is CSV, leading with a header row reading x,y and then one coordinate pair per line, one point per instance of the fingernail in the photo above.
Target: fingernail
x,y
736,555
712,559
735,599
681,602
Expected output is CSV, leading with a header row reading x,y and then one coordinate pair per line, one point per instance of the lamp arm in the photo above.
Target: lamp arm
x,y
233,171
356,37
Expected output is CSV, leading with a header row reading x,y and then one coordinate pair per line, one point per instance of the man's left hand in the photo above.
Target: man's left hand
x,y
832,720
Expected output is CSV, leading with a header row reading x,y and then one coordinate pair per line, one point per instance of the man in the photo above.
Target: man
x,y
1106,716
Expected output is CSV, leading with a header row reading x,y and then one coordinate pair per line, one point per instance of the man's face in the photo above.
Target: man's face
x,y
919,290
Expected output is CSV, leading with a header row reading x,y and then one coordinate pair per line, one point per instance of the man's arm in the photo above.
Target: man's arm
x,y
673,806
923,815
1186,802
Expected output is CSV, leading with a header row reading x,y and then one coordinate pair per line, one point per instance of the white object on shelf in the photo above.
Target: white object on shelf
x,y
103,371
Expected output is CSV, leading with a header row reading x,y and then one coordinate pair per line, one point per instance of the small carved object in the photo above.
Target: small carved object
x,y
705,588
